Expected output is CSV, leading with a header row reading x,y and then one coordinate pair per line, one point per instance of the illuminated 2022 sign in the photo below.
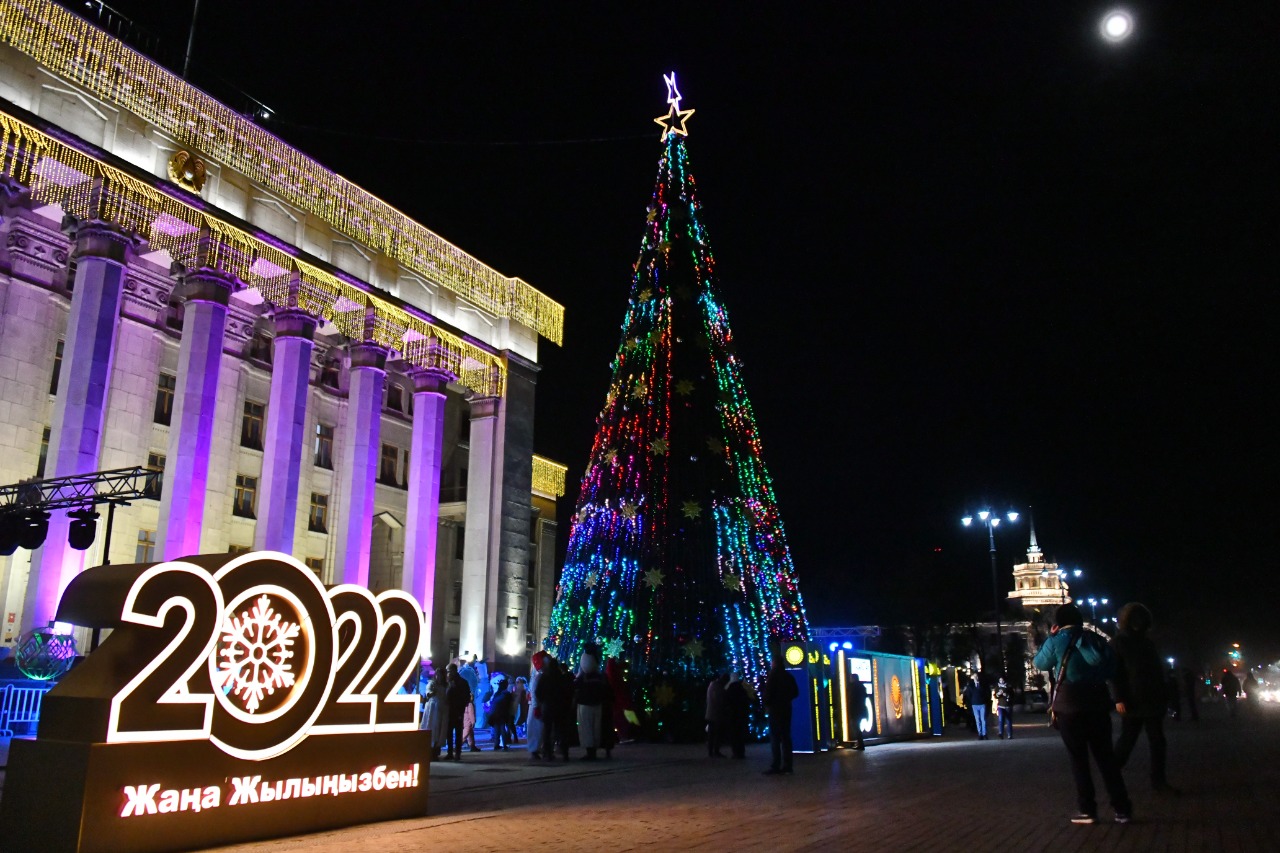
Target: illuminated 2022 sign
x,y
219,673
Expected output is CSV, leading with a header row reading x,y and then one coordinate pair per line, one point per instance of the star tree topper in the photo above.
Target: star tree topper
x,y
675,119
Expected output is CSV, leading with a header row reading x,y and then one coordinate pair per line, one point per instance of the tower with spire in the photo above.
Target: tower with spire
x,y
1037,584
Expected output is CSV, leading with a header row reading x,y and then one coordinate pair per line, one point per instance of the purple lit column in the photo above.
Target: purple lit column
x,y
101,253
359,464
419,576
477,596
284,442
182,500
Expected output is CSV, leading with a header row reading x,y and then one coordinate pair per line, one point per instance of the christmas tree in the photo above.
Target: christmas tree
x,y
677,561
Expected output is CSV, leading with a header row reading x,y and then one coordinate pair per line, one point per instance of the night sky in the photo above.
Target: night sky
x,y
972,256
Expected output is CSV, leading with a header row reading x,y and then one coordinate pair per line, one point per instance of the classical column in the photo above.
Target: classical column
x,y
186,477
509,553
285,439
358,470
425,456
477,597
101,252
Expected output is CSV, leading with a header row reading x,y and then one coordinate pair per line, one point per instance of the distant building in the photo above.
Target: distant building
x,y
1037,584
313,371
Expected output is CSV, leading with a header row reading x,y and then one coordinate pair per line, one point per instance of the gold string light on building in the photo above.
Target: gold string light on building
x,y
548,476
86,188
89,57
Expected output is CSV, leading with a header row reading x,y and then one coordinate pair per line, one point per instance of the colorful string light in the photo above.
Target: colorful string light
x,y
677,553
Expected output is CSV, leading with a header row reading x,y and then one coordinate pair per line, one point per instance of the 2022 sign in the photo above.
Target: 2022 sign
x,y
219,670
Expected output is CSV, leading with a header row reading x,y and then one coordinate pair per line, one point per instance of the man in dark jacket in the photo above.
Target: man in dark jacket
x,y
1082,709
457,696
780,691
1140,690
858,709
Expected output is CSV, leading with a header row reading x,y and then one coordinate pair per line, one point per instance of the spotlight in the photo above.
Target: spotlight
x,y
10,524
84,524
34,527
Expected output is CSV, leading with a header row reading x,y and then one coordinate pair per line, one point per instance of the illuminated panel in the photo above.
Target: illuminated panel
x,y
43,164
87,56
844,699
548,476
875,677
915,673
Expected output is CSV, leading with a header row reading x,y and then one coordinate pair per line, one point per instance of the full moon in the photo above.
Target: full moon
x,y
1117,26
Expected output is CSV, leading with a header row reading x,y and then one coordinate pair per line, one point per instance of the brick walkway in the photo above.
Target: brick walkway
x,y
946,793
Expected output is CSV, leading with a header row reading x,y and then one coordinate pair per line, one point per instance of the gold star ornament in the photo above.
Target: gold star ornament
x,y
732,582
693,648
691,509
664,695
658,447
684,387
628,511
593,578
653,578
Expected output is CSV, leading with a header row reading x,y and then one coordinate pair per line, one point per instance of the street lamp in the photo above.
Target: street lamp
x,y
992,521
1117,25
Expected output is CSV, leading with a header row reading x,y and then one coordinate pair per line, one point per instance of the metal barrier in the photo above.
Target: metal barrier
x,y
20,706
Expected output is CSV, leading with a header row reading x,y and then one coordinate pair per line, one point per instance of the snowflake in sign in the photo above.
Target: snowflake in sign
x,y
254,653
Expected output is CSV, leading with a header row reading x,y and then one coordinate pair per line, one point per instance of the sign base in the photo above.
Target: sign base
x,y
82,798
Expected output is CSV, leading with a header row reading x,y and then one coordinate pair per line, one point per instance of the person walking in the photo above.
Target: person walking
x,y
1230,686
977,697
546,699
1082,662
500,716
737,705
715,715
780,691
1004,709
435,713
520,702
858,705
1140,690
457,699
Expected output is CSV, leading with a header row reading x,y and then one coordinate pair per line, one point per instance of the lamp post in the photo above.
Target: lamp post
x,y
991,521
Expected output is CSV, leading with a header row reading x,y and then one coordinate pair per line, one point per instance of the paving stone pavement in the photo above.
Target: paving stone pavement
x,y
951,793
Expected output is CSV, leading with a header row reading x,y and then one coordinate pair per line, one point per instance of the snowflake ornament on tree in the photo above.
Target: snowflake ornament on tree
x,y
254,654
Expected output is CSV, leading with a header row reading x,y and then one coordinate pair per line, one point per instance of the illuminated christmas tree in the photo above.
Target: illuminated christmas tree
x,y
677,560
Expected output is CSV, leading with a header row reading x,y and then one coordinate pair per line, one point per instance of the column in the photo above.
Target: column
x,y
421,526
285,439
186,476
100,252
509,553
358,469
477,598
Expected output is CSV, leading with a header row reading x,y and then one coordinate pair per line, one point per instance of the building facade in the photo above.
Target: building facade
x,y
312,371
1037,584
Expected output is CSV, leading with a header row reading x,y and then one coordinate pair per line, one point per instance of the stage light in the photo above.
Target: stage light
x,y
34,529
9,527
84,525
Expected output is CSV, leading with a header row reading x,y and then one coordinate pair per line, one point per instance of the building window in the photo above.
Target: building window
x,y
330,372
315,564
318,520
44,452
165,389
456,604
251,426
324,446
246,496
388,470
237,550
146,550
460,544
259,348
395,397
57,368
154,485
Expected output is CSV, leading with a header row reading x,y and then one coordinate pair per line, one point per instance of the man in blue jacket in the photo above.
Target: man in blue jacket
x,y
1082,709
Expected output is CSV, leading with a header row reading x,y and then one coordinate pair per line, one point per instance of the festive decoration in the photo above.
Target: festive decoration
x,y
612,648
253,654
699,578
43,655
